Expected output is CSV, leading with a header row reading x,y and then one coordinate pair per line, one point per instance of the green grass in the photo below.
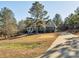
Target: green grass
x,y
19,45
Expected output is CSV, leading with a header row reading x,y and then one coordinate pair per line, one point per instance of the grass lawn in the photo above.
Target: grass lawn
x,y
27,46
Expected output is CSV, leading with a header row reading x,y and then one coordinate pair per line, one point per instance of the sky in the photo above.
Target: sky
x,y
21,8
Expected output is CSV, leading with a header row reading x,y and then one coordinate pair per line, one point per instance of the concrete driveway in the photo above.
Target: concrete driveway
x,y
63,47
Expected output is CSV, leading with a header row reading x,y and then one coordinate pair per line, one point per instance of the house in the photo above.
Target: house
x,y
41,26
50,26
31,29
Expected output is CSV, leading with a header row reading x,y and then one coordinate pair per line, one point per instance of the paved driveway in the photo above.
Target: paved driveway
x,y
66,45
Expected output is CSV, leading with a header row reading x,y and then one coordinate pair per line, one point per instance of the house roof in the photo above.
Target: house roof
x,y
50,23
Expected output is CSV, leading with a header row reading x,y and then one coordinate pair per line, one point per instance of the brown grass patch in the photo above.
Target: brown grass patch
x,y
45,41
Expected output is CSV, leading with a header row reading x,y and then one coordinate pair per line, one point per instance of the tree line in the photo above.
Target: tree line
x,y
38,22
